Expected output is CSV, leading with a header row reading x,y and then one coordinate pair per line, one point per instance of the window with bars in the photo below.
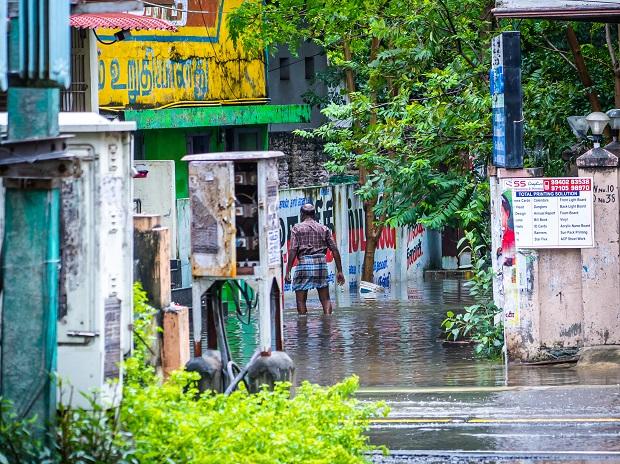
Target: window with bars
x,y
74,99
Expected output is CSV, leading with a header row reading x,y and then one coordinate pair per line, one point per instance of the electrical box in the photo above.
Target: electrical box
x,y
96,293
235,230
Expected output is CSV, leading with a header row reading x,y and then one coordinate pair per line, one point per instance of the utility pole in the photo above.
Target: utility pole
x,y
34,66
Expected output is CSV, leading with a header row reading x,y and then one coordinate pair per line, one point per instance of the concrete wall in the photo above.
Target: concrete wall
x,y
556,301
284,91
304,163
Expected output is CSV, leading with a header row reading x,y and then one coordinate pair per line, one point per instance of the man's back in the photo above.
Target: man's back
x,y
311,238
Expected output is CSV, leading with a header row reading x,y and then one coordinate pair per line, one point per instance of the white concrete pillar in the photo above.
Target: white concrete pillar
x,y
600,265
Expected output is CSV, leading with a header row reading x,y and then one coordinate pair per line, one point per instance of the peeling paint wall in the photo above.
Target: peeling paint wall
x,y
600,266
561,326
558,300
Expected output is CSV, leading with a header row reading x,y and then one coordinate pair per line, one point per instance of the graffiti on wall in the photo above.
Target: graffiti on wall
x,y
198,62
353,245
290,203
415,248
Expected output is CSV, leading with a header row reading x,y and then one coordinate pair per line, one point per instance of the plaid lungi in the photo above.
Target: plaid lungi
x,y
311,273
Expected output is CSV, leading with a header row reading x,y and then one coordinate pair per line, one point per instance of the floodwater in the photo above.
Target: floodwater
x,y
446,404
395,341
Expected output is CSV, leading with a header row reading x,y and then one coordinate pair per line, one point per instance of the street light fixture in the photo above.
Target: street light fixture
x,y
597,122
614,145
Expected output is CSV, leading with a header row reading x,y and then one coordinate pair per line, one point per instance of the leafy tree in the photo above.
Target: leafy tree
x,y
414,73
415,76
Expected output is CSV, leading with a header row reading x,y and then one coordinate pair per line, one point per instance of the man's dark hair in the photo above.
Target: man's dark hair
x,y
307,211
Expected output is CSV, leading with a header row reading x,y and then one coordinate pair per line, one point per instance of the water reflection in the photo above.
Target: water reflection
x,y
395,340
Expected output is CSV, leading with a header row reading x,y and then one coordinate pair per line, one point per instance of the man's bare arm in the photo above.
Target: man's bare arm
x,y
292,255
338,259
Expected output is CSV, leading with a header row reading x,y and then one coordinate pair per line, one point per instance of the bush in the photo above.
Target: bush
x,y
478,322
318,425
169,423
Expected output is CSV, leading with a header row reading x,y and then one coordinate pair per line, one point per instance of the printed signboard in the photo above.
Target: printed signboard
x,y
505,81
555,212
198,62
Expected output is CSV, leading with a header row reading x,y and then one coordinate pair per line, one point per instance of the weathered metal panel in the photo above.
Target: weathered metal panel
x,y
25,107
155,194
591,10
42,42
4,47
97,264
184,249
211,189
58,42
217,116
151,69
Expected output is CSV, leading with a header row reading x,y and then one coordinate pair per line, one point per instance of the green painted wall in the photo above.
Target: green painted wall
x,y
172,144
169,144
219,116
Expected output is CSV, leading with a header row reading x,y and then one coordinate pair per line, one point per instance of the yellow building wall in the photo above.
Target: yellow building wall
x,y
197,63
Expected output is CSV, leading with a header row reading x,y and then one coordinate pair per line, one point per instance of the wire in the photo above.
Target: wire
x,y
217,59
322,52
103,42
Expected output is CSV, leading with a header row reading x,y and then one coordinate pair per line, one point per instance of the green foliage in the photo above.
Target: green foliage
x,y
17,442
81,436
138,369
170,423
318,425
92,435
478,322
419,117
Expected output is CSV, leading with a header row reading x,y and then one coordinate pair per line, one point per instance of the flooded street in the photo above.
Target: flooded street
x,y
446,404
396,341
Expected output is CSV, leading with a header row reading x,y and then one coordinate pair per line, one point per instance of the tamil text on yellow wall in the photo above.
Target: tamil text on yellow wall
x,y
198,62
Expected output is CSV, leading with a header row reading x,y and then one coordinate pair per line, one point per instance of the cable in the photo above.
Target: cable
x,y
241,375
322,52
103,42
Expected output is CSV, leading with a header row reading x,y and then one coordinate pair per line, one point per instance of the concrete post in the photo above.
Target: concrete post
x,y
601,265
30,270
152,252
176,339
152,256
516,272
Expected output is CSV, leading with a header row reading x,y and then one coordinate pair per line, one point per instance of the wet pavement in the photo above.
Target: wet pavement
x,y
564,422
447,405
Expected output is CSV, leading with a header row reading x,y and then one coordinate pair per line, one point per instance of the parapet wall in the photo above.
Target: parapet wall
x,y
402,253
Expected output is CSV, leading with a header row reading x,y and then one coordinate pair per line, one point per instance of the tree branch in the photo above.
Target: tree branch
x,y
610,48
556,49
459,44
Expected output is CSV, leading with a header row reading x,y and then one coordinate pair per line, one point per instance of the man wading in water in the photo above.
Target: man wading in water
x,y
309,243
